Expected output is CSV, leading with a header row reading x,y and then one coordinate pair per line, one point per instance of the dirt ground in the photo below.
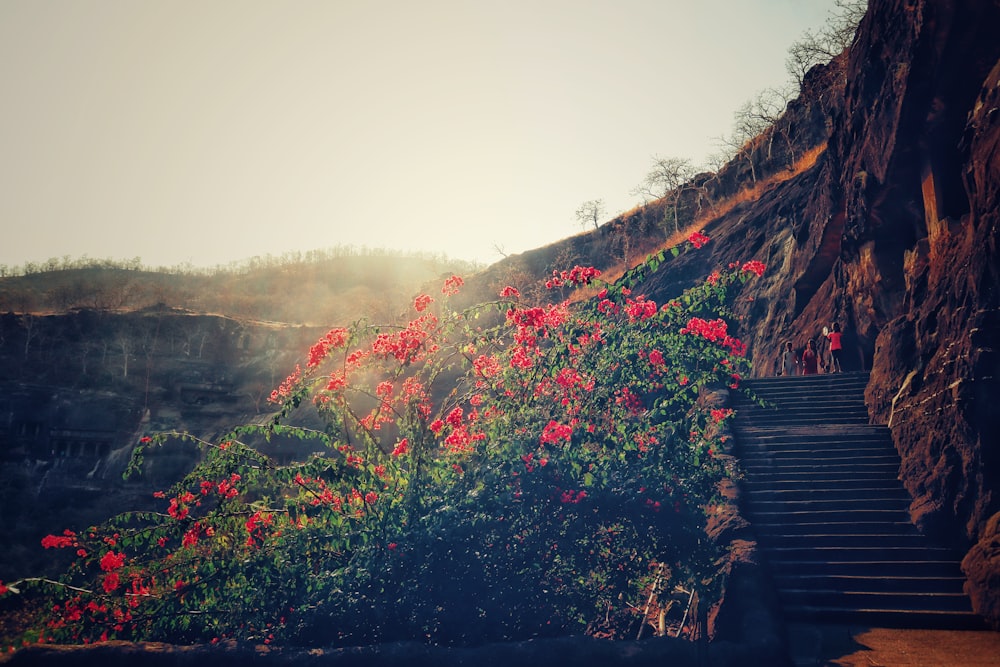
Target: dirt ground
x,y
850,646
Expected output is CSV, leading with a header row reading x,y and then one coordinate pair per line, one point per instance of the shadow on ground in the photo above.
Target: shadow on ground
x,y
857,646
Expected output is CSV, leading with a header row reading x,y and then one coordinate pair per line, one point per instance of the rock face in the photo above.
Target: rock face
x,y
888,224
920,173
893,233
100,381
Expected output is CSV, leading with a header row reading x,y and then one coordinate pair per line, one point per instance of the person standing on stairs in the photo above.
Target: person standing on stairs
x,y
810,359
789,364
835,347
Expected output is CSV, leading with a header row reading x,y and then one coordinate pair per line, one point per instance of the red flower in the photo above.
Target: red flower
x,y
67,539
401,448
452,285
111,582
191,536
571,498
753,266
454,417
554,432
333,339
715,331
719,415
509,292
698,239
112,561
337,381
640,309
3,589
436,426
486,366
578,275
421,302
655,357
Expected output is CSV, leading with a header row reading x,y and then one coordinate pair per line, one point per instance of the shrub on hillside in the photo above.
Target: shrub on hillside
x,y
547,475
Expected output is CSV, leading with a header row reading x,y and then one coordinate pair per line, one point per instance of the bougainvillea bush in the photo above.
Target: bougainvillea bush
x,y
504,472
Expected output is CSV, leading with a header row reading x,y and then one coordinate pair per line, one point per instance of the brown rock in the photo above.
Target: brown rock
x,y
982,567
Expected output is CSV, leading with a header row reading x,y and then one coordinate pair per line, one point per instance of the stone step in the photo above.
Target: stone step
x,y
877,566
774,420
821,489
760,443
817,516
852,380
820,455
887,618
839,554
818,397
864,583
798,403
875,467
779,483
813,445
859,539
757,507
885,600
874,461
817,433
812,472
836,528
834,492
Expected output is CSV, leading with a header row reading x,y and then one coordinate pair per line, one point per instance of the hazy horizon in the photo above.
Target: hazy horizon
x,y
203,134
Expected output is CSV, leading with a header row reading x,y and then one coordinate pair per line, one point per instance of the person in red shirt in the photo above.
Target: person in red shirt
x,y
809,359
835,347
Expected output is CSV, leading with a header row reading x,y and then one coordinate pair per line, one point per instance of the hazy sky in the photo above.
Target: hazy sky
x,y
213,130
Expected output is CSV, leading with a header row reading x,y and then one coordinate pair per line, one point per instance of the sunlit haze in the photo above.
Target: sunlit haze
x,y
209,132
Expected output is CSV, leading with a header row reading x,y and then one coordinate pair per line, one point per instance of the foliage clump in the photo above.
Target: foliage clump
x,y
505,472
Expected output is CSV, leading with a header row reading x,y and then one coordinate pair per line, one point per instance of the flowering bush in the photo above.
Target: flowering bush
x,y
539,476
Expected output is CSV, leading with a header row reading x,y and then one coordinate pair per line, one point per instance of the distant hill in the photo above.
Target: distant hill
x,y
325,288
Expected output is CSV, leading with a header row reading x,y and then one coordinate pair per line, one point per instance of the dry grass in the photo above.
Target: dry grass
x,y
754,192
713,213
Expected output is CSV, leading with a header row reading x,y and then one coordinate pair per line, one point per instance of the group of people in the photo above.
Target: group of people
x,y
810,362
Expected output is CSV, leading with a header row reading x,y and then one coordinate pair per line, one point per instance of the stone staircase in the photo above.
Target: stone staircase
x,y
831,516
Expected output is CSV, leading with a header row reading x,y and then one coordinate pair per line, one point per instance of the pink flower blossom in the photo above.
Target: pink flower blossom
x,y
452,285
753,266
698,239
421,302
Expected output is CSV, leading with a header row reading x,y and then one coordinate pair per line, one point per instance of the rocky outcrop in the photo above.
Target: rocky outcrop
x,y
920,180
893,233
98,382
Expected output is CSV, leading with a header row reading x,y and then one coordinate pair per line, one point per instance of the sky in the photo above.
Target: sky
x,y
200,133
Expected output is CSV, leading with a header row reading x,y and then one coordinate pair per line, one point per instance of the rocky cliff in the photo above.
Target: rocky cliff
x,y
892,232
884,218
78,390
